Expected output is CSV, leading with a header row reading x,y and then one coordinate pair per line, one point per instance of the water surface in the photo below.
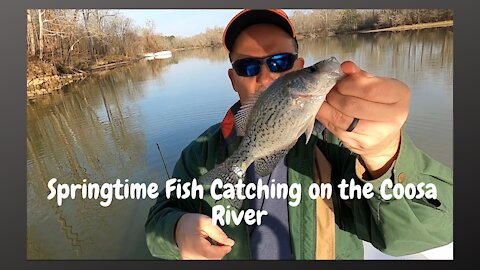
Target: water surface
x,y
107,126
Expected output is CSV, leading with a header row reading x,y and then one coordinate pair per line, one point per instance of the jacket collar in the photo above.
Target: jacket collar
x,y
229,131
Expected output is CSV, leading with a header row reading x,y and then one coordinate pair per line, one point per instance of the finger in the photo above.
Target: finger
x,y
201,249
375,89
338,123
333,119
363,109
215,232
348,67
214,252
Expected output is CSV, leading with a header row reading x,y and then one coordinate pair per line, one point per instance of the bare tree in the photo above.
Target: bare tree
x,y
86,16
30,35
40,33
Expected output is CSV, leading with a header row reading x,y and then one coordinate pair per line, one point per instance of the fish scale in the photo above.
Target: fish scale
x,y
273,120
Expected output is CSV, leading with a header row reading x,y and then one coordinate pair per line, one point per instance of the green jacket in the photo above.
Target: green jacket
x,y
396,227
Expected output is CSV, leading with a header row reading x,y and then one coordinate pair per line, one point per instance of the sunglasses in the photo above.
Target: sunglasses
x,y
248,67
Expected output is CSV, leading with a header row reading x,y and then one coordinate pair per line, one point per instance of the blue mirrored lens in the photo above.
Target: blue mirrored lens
x,y
247,67
252,68
280,62
276,63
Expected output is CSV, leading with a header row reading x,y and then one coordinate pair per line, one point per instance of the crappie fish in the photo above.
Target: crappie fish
x,y
273,120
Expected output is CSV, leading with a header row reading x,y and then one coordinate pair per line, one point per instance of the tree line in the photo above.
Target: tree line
x,y
78,39
330,22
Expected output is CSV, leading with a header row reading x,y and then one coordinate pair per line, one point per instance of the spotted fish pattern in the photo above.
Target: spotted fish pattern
x,y
272,121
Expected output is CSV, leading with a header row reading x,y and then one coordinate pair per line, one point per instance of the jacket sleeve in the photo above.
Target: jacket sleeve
x,y
164,215
402,226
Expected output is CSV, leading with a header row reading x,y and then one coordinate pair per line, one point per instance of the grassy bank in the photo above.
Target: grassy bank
x,y
411,27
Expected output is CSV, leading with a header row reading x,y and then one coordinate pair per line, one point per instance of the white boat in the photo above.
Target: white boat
x,y
149,56
163,55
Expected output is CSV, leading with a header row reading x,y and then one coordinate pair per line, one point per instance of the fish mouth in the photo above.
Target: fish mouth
x,y
330,66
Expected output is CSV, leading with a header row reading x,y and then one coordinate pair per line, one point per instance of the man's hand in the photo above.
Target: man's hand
x,y
192,233
381,104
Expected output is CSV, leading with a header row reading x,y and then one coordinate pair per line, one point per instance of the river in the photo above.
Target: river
x,y
106,127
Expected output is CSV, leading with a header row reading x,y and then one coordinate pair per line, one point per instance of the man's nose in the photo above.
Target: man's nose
x,y
265,76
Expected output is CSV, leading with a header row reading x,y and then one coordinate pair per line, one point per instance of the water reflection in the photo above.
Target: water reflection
x,y
106,127
422,59
91,131
213,54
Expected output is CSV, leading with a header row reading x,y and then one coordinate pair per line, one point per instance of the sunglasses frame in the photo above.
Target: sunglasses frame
x,y
263,61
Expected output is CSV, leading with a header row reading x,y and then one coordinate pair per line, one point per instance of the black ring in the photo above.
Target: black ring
x,y
353,124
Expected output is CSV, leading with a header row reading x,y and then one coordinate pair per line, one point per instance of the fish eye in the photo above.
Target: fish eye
x,y
312,69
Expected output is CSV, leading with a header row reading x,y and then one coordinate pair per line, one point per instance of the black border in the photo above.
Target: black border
x,y
13,134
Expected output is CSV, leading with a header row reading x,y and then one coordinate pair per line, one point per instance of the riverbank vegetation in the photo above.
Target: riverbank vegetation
x,y
63,42
330,22
78,39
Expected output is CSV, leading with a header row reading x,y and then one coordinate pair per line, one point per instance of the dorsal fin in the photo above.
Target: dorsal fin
x,y
241,117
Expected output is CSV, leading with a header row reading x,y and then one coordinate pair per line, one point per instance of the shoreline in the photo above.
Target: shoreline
x,y
49,82
44,84
419,26
410,27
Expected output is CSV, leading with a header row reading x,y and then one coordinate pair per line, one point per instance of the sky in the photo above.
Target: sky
x,y
182,22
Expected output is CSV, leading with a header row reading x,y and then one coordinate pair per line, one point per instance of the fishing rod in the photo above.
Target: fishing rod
x,y
163,161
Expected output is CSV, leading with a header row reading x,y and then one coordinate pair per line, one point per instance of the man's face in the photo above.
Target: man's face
x,y
260,40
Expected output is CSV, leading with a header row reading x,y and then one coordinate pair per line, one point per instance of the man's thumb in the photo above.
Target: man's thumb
x,y
350,68
217,234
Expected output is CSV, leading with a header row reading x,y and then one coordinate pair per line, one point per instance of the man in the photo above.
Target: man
x,y
366,113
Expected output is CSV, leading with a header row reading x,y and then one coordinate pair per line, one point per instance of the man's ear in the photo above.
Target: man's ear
x,y
299,64
231,75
